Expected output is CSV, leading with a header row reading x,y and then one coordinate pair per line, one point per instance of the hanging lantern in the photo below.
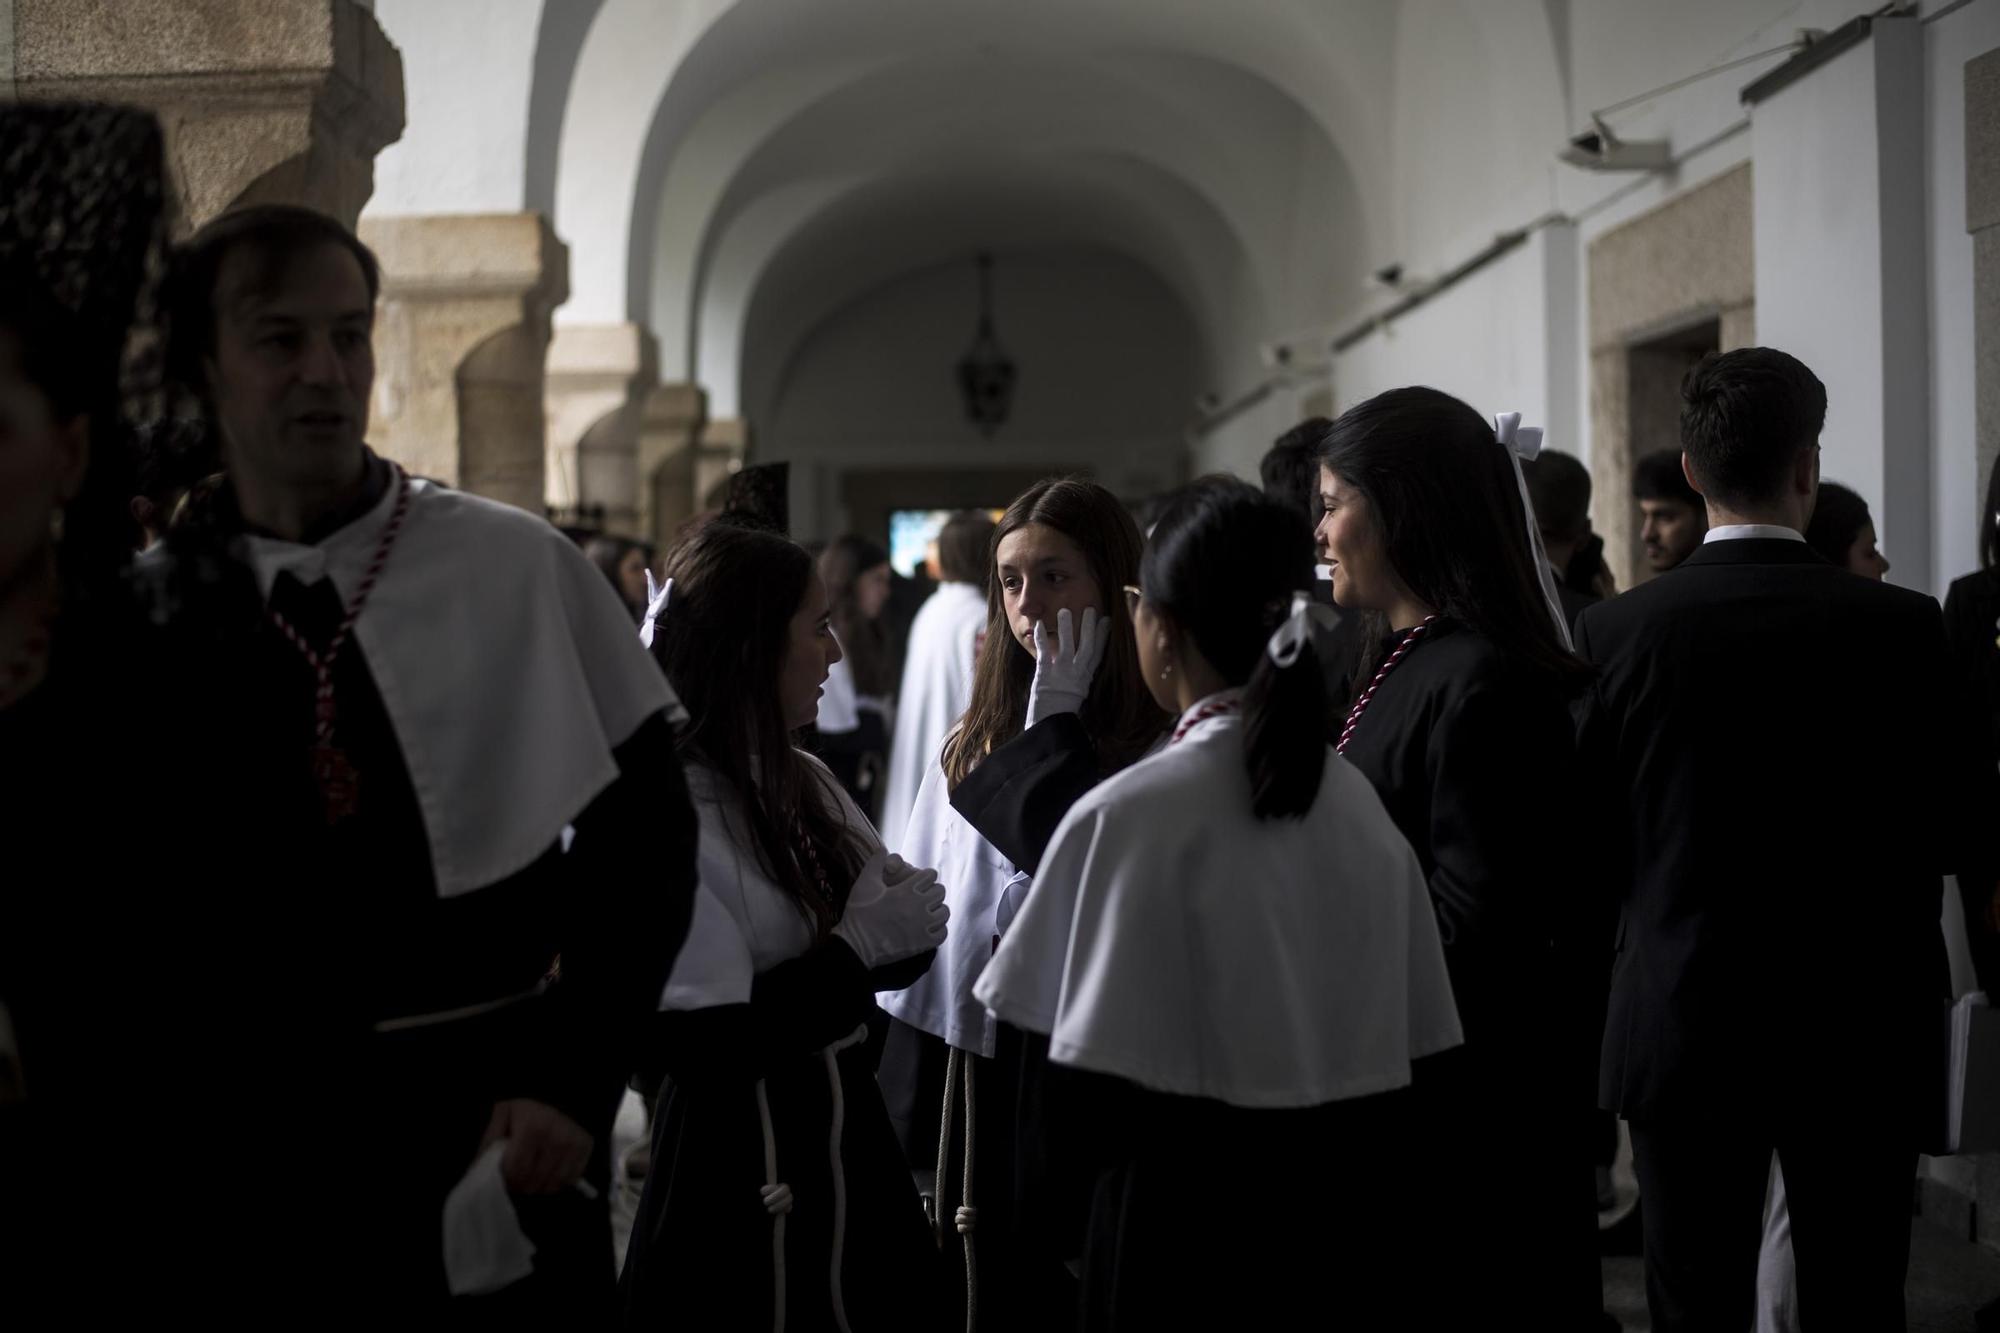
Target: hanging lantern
x,y
986,375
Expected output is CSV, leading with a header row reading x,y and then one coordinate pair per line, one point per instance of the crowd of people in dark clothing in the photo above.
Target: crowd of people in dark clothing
x,y
1324,850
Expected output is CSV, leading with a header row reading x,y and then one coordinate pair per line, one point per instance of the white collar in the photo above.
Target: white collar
x,y
1730,532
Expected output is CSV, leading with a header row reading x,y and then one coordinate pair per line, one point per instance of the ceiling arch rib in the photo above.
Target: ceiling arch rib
x,y
648,71
876,234
633,49
1174,157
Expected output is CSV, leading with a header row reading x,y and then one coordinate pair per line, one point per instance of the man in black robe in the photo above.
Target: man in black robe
x,y
500,840
1779,982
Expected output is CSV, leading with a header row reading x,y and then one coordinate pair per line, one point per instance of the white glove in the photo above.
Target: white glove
x,y
1063,668
894,911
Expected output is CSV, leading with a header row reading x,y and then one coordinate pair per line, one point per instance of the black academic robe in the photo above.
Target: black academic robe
x,y
1470,753
1032,1201
702,1251
571,951
1198,1216
536,987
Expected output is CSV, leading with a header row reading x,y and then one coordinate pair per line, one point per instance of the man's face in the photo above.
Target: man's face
x,y
1670,530
292,365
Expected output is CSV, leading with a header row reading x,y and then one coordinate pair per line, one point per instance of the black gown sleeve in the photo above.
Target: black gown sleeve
x,y
1020,792
631,882
1501,770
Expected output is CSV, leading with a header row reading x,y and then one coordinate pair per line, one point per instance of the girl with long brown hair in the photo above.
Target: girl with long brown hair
x,y
851,732
777,1192
1058,703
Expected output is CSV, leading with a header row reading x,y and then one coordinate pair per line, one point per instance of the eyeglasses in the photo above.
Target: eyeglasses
x,y
1133,596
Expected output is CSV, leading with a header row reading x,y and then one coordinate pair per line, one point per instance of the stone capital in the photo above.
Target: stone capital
x,y
262,101
598,379
460,344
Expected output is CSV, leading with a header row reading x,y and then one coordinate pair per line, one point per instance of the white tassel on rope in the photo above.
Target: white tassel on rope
x,y
958,1067
1525,442
777,1202
831,1056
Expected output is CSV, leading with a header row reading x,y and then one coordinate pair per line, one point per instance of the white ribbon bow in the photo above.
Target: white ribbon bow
x,y
656,602
1525,442
1295,631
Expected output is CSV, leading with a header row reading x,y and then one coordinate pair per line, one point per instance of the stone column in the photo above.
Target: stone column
x,y
598,378
1982,219
724,444
669,433
461,342
263,101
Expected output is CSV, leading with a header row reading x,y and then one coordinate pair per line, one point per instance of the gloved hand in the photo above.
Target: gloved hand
x,y
894,911
1063,668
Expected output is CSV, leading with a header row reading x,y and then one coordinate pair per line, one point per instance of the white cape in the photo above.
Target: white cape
x,y
1176,941
744,921
508,666
937,688
984,890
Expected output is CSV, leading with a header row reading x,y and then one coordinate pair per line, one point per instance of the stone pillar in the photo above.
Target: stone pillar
x,y
598,379
724,444
669,434
461,342
263,101
1982,219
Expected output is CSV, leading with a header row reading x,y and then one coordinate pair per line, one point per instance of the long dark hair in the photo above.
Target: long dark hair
x,y
722,643
843,562
607,550
1449,510
1223,563
1120,715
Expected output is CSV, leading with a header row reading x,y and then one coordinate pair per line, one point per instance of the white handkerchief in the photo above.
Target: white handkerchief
x,y
484,1246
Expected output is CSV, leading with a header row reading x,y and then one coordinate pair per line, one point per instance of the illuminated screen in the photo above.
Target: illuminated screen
x,y
911,532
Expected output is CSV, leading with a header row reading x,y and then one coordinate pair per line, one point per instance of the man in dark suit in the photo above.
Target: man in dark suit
x,y
1559,489
1782,774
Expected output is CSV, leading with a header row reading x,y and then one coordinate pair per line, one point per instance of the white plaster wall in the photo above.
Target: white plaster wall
x,y
1475,127
1840,242
632,50
1106,352
1489,345
467,71
1948,44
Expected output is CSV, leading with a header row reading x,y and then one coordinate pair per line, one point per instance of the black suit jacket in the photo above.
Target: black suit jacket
x,y
1779,770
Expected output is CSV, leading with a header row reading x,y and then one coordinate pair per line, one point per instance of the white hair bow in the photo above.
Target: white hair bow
x,y
1294,632
1525,443
656,603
